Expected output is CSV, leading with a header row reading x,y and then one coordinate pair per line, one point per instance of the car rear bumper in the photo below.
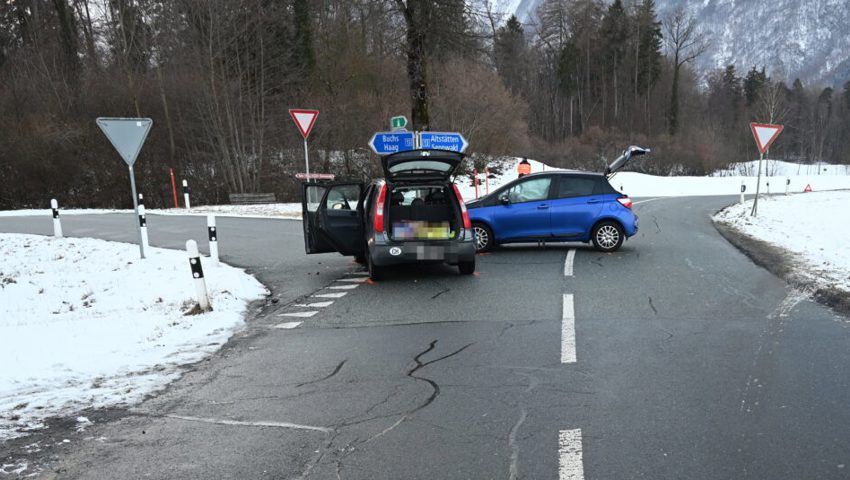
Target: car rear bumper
x,y
387,252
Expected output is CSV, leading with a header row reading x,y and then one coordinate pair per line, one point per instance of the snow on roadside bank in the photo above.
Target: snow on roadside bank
x,y
291,211
86,323
810,225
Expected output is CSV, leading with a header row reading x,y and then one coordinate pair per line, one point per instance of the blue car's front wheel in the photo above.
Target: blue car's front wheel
x,y
483,237
607,236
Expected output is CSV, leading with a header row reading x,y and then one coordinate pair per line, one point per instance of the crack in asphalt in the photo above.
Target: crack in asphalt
x,y
513,471
654,310
334,372
440,293
655,221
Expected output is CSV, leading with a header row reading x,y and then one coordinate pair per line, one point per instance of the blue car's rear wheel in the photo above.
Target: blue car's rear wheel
x,y
483,237
607,236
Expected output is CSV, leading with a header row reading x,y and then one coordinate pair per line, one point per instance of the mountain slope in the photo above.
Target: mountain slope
x,y
806,39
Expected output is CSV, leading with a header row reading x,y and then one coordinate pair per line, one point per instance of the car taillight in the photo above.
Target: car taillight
x,y
463,211
379,209
625,201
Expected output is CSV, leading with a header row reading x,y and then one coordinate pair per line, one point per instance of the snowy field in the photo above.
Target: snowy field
x,y
812,226
85,323
728,183
723,182
291,211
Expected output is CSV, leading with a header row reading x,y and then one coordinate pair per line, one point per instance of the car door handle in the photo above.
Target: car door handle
x,y
594,201
542,207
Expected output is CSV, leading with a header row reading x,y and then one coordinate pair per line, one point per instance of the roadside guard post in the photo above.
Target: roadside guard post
x,y
173,187
198,276
141,199
787,186
57,224
765,134
213,235
128,135
143,225
743,189
186,195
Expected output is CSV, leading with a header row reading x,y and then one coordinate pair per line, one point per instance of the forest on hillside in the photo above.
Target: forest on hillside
x,y
218,77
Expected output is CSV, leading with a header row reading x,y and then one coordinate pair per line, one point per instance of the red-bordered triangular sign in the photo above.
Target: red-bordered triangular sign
x,y
304,119
765,134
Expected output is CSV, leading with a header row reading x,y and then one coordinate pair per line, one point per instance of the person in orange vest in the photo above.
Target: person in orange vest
x,y
524,168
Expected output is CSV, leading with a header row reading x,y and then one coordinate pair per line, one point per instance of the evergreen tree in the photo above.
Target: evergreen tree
x,y
614,33
511,51
303,54
753,84
647,53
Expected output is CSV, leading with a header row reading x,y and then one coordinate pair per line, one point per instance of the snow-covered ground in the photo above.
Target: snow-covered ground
x,y
722,182
812,226
641,185
290,211
86,323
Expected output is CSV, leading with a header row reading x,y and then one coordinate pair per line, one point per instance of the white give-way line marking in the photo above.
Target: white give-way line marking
x,y
568,331
250,424
568,263
299,314
570,465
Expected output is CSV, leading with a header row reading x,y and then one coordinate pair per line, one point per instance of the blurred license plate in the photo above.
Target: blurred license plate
x,y
430,253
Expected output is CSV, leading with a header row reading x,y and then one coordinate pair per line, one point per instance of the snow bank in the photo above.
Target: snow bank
x,y
86,323
641,185
811,225
271,210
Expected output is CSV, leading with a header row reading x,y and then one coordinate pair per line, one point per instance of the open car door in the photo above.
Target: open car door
x,y
622,160
333,218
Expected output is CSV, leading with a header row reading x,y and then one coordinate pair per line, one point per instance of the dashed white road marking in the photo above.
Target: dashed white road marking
x,y
571,466
353,280
649,200
568,331
568,263
251,424
287,325
330,295
343,287
299,314
315,304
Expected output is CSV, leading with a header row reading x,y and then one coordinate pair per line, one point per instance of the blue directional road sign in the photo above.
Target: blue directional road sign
x,y
385,143
443,141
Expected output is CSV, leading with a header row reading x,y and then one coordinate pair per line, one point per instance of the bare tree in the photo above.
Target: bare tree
x,y
685,42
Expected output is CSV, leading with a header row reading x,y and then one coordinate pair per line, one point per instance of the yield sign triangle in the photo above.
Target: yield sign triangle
x,y
127,135
304,119
765,134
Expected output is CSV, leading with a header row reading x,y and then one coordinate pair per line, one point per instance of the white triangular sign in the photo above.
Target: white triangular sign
x,y
765,134
304,119
127,135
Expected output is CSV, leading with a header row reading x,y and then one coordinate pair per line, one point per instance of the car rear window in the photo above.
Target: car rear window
x,y
413,165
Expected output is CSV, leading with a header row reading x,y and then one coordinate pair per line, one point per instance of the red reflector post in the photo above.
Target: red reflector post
x,y
464,212
625,201
379,209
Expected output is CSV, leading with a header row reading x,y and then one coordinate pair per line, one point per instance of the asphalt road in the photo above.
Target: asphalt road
x,y
675,357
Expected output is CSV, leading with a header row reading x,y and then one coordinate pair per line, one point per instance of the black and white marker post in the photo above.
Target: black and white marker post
x,y
743,189
57,224
186,195
141,200
198,275
787,186
213,239
143,224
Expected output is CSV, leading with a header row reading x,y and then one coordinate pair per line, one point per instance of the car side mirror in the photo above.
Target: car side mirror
x,y
505,199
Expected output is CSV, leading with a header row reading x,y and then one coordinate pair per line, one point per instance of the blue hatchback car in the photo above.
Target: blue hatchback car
x,y
557,206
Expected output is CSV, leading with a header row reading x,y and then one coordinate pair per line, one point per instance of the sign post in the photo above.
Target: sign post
x,y
304,119
128,135
764,134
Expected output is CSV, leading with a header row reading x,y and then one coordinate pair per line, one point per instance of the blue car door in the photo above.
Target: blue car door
x,y
523,212
576,208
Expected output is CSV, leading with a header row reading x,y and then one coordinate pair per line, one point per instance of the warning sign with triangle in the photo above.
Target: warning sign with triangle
x,y
808,188
304,119
127,135
765,134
